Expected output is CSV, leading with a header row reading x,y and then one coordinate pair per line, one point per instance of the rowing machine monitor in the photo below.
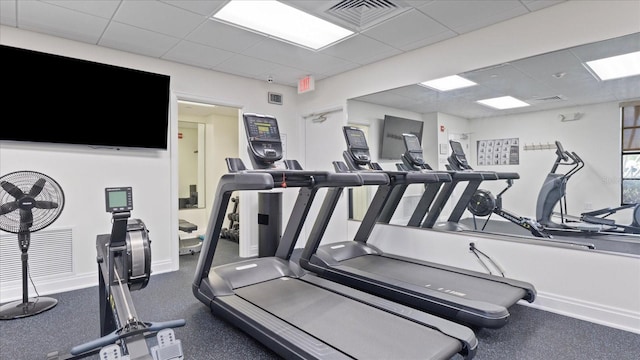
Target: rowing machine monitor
x,y
118,199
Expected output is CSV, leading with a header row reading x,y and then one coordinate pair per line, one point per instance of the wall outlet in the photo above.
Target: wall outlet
x,y
588,206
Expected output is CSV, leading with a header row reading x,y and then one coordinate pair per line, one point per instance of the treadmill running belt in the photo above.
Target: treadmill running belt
x,y
465,286
357,329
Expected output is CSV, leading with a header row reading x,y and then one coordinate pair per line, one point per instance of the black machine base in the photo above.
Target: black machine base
x,y
20,309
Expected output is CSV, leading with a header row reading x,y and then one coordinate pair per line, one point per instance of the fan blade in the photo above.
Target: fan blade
x,y
12,189
8,207
26,219
46,204
37,187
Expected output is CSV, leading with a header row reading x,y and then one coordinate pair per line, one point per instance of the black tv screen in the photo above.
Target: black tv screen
x,y
392,141
57,99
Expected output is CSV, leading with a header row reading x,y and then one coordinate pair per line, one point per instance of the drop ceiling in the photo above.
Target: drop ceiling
x,y
182,31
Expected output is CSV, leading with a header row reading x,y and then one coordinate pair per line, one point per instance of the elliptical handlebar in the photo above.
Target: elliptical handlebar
x,y
564,157
579,164
560,152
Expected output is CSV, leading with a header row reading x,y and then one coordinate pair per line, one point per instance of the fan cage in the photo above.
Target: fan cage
x,y
25,180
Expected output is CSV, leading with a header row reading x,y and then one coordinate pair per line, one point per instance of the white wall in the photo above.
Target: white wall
x,y
598,287
83,173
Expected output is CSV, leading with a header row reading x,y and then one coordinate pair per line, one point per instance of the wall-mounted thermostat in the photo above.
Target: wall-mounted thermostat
x,y
275,98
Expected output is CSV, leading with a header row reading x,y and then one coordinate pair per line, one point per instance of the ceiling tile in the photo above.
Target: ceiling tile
x,y
135,40
187,52
611,47
361,49
534,5
554,69
295,56
222,36
57,21
409,28
104,8
283,75
464,16
159,17
206,8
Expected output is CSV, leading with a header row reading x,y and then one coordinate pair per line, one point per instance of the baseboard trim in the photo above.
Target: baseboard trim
x,y
596,313
12,291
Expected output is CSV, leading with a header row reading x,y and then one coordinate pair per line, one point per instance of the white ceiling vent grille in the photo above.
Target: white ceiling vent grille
x,y
363,13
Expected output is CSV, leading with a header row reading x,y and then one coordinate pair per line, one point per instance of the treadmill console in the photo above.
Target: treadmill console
x,y
414,150
357,145
265,146
118,199
458,159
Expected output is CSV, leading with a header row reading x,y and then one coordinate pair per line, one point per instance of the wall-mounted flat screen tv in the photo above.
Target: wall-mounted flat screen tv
x,y
57,99
392,144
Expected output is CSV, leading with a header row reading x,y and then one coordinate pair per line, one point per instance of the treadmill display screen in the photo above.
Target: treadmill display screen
x,y
356,139
457,148
411,142
262,128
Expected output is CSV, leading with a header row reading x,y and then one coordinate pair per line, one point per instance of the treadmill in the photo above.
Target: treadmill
x,y
298,314
412,159
469,176
464,296
431,187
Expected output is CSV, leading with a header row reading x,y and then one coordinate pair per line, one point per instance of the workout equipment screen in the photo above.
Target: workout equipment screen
x,y
456,147
119,199
411,142
356,138
262,128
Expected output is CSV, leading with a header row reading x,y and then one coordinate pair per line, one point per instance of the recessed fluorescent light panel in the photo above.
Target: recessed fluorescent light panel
x,y
275,19
616,67
448,83
503,102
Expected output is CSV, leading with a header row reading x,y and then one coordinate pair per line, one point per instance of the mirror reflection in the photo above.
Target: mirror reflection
x,y
565,101
554,80
191,154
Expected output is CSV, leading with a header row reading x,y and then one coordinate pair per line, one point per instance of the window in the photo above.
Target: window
x,y
630,114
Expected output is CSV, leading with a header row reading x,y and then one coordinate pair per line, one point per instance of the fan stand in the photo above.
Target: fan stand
x,y
27,307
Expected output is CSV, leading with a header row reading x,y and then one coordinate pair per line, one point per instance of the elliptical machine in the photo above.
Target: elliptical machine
x,y
483,202
554,192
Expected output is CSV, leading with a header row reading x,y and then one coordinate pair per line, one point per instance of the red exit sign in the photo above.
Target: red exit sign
x,y
306,84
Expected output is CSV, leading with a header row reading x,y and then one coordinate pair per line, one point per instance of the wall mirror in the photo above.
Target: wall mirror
x,y
191,165
555,80
548,81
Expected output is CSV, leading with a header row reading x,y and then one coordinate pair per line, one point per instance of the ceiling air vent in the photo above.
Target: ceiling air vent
x,y
363,13
548,99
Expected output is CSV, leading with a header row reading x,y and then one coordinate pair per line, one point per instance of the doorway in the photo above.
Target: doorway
x,y
207,134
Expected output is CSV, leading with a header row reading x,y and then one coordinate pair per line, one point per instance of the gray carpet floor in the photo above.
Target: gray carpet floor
x,y
530,334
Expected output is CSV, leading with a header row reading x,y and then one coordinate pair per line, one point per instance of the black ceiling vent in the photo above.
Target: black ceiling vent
x,y
364,13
